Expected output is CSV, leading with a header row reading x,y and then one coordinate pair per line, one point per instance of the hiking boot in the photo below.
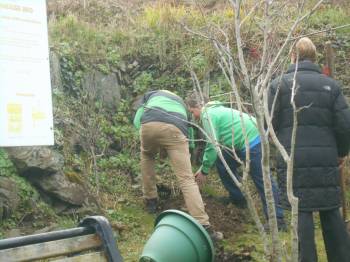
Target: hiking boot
x,y
151,205
215,236
164,192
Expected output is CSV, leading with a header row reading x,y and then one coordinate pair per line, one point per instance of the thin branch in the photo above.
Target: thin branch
x,y
321,31
287,40
253,9
290,168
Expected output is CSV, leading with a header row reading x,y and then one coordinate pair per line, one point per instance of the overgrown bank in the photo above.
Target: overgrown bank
x,y
138,51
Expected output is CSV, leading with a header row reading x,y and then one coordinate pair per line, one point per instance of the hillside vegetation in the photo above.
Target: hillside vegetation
x,y
145,46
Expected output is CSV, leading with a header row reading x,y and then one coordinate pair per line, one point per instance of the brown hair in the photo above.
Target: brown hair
x,y
305,49
194,100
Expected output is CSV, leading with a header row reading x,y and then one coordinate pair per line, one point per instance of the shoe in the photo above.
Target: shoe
x,y
151,205
163,191
215,236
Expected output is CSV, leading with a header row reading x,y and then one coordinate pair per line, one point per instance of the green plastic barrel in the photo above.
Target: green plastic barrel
x,y
178,237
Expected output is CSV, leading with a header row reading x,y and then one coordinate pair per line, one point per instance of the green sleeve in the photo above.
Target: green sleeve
x,y
137,118
191,138
210,155
209,158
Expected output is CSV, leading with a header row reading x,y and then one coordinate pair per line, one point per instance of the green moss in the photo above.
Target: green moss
x,y
73,177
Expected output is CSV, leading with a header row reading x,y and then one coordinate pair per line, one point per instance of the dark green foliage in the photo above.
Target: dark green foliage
x,y
26,191
6,166
142,83
30,206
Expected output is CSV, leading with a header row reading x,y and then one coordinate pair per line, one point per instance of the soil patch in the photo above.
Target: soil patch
x,y
224,218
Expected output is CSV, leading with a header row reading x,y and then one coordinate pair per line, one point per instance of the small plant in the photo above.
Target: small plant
x,y
142,83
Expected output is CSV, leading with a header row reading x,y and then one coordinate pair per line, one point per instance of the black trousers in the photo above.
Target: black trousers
x,y
335,236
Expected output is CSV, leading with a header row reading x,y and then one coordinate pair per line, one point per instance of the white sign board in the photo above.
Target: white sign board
x,y
25,88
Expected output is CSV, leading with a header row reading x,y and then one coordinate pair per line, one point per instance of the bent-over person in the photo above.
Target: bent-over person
x,y
164,124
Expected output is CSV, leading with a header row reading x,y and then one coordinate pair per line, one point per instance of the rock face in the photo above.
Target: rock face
x,y
59,186
9,197
55,72
102,87
43,167
42,158
105,88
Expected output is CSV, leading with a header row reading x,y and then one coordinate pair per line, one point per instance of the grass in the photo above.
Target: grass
x,y
139,227
250,240
330,17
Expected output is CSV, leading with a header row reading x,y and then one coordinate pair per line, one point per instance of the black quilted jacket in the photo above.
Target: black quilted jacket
x,y
323,135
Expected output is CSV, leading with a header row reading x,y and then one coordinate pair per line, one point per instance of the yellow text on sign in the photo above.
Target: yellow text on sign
x,y
14,118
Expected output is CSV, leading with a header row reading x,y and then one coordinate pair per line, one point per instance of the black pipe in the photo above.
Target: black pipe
x,y
44,237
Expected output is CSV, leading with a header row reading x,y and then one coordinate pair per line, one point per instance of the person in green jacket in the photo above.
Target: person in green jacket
x,y
162,119
225,126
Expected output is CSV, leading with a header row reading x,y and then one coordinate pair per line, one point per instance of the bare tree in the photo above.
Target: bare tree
x,y
251,68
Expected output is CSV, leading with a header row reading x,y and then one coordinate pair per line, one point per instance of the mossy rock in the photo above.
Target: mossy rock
x,y
74,177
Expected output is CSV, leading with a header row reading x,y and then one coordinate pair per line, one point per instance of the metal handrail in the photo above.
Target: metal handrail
x,y
45,237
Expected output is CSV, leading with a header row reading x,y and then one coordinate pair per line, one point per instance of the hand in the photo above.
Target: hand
x,y
200,178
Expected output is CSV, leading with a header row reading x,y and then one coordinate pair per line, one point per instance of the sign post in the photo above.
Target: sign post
x,y
25,88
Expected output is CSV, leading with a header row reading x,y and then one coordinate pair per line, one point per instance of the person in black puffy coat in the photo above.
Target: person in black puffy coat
x,y
322,140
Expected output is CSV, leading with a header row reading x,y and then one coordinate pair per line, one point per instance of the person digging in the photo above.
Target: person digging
x,y
162,120
224,121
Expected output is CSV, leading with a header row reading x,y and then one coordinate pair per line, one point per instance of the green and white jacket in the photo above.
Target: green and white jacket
x,y
164,106
225,126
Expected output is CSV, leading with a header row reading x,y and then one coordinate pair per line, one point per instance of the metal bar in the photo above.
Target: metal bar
x,y
44,237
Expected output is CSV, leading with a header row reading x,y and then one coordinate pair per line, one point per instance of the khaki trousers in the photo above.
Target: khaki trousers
x,y
156,135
